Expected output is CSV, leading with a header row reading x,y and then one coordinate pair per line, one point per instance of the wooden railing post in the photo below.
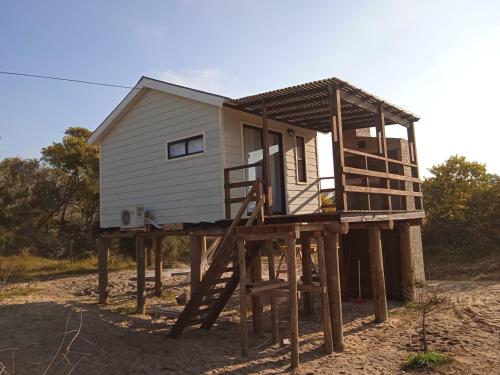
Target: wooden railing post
x,y
335,110
382,148
227,194
266,162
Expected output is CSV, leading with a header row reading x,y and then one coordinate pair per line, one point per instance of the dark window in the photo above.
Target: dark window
x,y
184,147
301,159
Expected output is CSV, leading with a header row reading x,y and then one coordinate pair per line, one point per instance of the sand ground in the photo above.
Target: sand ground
x,y
112,340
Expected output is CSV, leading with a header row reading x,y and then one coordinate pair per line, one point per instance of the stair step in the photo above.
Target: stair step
x,y
196,321
201,312
216,291
223,280
229,269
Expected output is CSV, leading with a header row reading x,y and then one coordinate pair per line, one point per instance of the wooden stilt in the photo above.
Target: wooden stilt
x,y
334,291
243,299
158,265
149,255
307,275
407,268
377,270
294,308
102,267
141,275
256,276
195,255
325,309
274,302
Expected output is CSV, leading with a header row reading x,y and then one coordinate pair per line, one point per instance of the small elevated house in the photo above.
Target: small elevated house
x,y
240,176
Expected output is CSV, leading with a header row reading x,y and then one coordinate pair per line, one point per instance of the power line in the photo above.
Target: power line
x,y
66,80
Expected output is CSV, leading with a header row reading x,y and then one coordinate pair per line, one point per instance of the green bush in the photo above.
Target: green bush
x,y
425,361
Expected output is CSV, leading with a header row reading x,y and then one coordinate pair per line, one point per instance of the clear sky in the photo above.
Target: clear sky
x,y
438,59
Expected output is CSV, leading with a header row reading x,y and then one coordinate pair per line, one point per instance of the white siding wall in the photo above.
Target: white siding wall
x,y
300,197
134,170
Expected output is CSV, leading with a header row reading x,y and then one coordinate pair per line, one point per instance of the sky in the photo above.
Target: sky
x,y
438,59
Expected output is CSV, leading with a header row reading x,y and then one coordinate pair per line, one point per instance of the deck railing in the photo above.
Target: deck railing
x,y
368,175
228,186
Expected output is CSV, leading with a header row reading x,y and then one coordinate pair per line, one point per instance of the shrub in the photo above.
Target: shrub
x,y
425,361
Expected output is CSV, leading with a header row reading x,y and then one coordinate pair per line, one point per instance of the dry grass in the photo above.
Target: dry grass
x,y
445,264
29,266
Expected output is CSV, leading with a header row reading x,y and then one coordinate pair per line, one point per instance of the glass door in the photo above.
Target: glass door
x,y
252,141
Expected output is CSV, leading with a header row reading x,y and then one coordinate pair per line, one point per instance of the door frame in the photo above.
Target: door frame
x,y
244,124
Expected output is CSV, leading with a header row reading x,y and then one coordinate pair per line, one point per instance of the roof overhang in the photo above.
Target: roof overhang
x,y
136,93
307,106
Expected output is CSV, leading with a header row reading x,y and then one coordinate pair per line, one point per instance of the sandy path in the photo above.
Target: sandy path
x,y
115,342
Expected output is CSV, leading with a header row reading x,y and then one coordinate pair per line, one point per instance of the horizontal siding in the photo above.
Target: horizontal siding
x,y
135,172
301,197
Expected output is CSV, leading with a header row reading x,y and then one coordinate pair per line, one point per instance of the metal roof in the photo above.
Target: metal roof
x,y
306,105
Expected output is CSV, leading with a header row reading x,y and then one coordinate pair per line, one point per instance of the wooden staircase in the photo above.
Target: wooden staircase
x,y
222,276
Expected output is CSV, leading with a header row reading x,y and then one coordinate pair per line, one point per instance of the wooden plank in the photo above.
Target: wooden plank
x,y
243,166
335,110
256,277
243,299
266,162
141,276
334,291
294,304
372,156
307,275
227,194
234,185
377,270
274,302
267,286
383,147
325,309
102,267
158,265
364,189
367,172
195,253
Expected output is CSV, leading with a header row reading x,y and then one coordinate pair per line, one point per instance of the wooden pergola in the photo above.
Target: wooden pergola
x,y
333,105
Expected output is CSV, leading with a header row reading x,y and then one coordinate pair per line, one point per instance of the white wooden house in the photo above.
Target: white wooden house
x,y
165,148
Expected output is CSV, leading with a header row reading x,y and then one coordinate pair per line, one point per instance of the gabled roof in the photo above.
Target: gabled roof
x,y
138,90
303,105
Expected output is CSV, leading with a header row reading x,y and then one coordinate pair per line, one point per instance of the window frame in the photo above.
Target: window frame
x,y
185,141
304,159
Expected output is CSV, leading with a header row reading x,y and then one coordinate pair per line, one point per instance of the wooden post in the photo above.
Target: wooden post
x,y
195,257
377,269
102,268
149,254
334,291
382,147
307,274
141,275
274,302
256,276
407,268
335,109
294,303
243,299
158,265
227,194
266,164
325,309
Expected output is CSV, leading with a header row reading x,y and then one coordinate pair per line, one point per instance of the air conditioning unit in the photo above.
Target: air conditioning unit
x,y
132,217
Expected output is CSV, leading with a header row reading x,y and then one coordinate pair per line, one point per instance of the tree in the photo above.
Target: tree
x,y
461,201
78,164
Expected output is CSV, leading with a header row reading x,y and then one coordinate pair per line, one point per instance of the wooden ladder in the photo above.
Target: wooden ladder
x,y
222,276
